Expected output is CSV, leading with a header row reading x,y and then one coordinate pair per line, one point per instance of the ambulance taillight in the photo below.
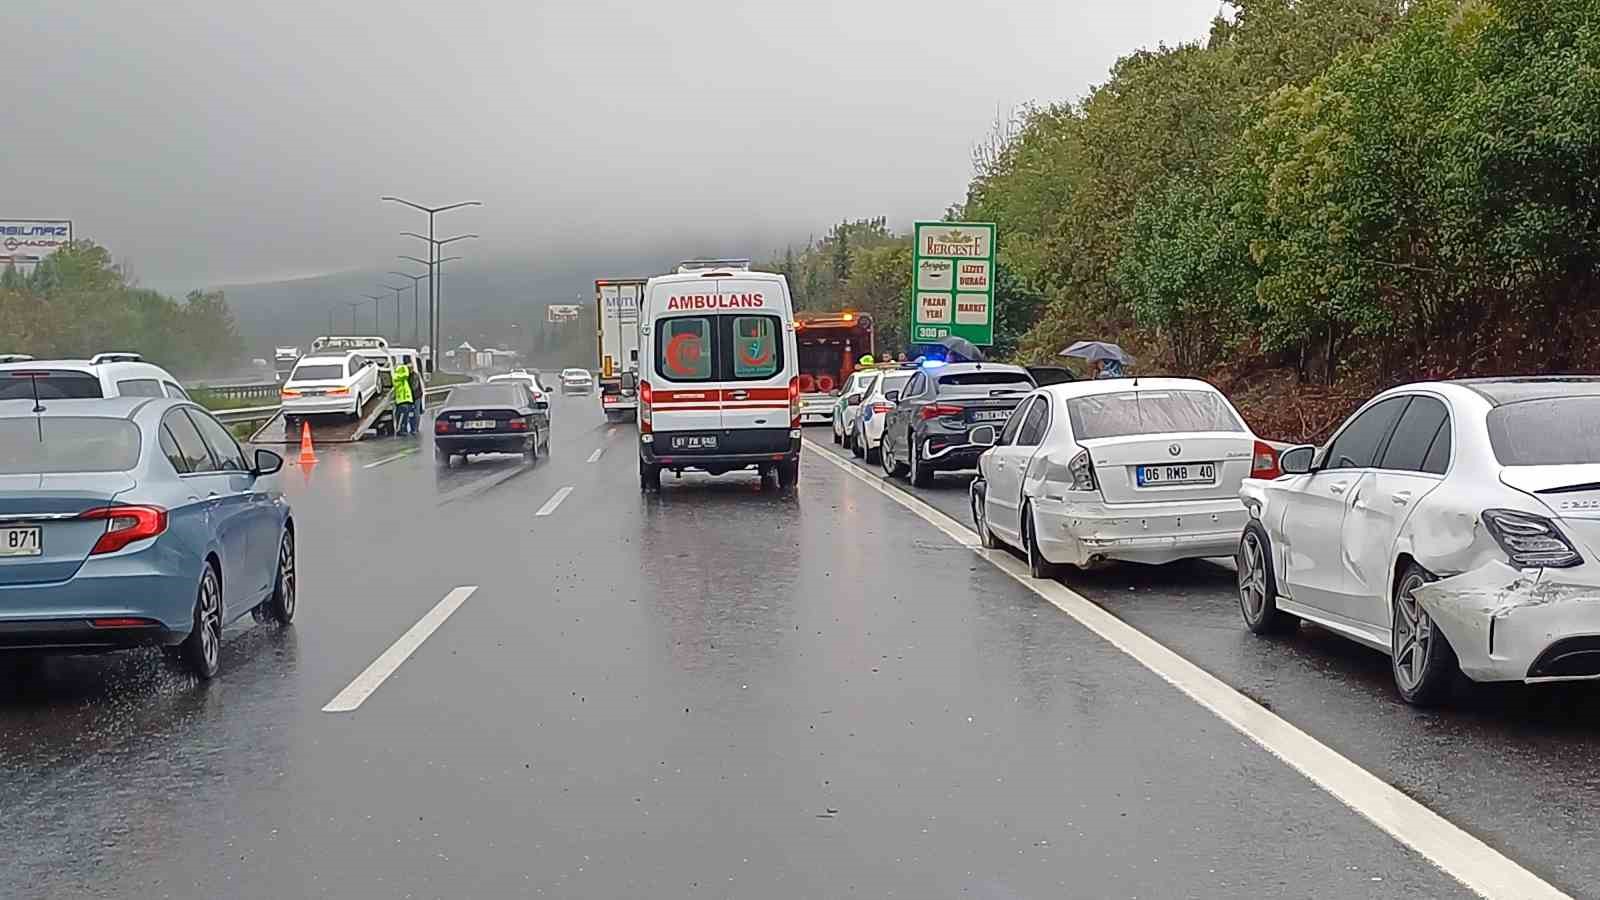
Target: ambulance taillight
x,y
645,395
794,402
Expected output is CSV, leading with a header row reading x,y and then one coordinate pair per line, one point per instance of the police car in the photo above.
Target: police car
x,y
718,374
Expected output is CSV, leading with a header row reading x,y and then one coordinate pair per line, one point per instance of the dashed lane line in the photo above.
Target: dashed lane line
x,y
373,677
1479,867
554,501
595,456
389,459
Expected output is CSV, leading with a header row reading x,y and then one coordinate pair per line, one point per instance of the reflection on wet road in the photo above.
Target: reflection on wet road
x,y
717,691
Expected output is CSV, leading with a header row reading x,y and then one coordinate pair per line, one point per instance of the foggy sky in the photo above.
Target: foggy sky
x,y
219,141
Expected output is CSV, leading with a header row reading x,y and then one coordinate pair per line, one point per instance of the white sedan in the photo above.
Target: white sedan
x,y
1452,525
541,395
330,383
1143,470
576,381
865,437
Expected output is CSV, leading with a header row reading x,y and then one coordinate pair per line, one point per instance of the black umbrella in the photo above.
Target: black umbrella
x,y
1093,350
961,347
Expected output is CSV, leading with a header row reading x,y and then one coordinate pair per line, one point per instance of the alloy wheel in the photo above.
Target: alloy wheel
x,y
210,619
1253,579
286,579
1414,635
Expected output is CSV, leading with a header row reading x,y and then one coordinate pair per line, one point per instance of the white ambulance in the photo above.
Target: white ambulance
x,y
718,374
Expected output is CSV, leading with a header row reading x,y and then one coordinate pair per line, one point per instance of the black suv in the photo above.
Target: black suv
x,y
927,429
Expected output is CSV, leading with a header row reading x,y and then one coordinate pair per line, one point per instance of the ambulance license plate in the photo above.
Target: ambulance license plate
x,y
21,541
694,442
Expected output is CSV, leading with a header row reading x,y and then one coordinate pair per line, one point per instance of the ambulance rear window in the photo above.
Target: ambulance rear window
x,y
685,348
720,347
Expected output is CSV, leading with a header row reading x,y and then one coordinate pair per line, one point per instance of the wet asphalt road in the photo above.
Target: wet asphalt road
x,y
729,693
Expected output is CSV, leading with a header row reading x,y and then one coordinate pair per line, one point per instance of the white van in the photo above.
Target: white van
x,y
718,367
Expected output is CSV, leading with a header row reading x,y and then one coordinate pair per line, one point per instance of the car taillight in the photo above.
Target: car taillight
x,y
125,524
338,392
519,424
881,408
938,410
1264,461
1530,540
287,393
645,395
1081,468
122,622
440,426
794,402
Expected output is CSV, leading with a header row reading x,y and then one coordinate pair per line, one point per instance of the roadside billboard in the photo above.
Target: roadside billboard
x,y
27,241
558,313
952,281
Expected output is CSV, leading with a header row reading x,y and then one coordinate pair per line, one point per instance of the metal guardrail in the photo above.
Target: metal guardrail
x,y
262,413
260,390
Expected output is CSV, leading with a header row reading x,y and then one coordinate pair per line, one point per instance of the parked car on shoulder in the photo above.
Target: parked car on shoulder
x,y
333,383
1142,471
102,375
927,430
490,418
136,521
577,381
1453,525
866,434
849,400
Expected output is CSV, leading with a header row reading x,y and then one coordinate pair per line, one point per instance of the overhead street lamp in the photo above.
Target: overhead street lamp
x,y
354,305
436,303
433,255
376,308
415,334
397,290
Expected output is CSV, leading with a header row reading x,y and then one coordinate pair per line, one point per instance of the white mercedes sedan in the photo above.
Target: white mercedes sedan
x,y
1452,525
1136,469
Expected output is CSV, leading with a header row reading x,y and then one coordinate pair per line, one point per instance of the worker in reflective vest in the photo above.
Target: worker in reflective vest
x,y
405,410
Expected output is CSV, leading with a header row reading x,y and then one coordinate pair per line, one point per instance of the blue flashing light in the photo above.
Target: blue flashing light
x,y
932,363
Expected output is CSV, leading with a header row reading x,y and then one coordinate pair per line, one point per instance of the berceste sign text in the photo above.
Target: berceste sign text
x,y
953,282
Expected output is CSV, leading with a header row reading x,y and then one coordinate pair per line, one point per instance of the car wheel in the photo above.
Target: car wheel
x,y
886,460
788,474
201,651
441,457
1423,661
649,477
921,472
1258,585
280,606
838,439
980,514
1038,566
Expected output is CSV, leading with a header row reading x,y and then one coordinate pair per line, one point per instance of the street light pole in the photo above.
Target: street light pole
x,y
435,246
377,308
397,290
415,334
354,305
433,255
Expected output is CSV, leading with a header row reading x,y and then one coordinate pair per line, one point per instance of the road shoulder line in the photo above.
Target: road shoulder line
x,y
373,677
1458,854
554,501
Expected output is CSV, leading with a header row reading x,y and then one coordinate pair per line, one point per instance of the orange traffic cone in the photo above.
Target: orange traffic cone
x,y
308,456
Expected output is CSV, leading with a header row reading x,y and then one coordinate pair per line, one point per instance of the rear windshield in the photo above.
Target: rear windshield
x,y
318,373
894,382
1149,412
53,385
1563,431
52,445
982,384
486,395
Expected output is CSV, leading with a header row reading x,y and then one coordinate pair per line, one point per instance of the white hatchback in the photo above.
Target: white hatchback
x,y
103,375
330,383
1142,470
1452,525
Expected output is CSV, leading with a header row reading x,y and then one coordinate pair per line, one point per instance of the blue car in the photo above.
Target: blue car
x,y
135,521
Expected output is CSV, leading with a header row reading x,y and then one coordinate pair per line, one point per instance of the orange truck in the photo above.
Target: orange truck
x,y
830,346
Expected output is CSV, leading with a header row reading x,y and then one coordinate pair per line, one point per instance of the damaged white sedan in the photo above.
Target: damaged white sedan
x,y
1453,525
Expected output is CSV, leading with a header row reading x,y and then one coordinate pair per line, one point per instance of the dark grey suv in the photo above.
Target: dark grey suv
x,y
927,430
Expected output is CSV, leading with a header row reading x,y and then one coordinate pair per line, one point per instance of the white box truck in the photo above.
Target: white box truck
x,y
616,304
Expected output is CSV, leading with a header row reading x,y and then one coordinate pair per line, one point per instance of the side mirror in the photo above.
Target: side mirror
x,y
630,381
892,396
427,367
267,462
1296,460
983,436
852,400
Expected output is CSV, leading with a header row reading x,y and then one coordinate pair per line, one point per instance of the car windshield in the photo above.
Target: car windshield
x,y
893,382
476,395
50,445
1560,431
320,372
52,385
1150,412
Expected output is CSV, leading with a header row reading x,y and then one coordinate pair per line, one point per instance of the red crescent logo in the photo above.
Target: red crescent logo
x,y
683,351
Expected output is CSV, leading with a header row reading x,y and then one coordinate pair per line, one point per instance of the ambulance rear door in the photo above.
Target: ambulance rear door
x,y
686,395
759,355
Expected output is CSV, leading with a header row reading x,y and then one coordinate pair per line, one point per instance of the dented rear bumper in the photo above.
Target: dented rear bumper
x,y
1531,625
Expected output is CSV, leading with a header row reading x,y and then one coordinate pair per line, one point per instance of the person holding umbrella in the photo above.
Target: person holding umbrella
x,y
1106,360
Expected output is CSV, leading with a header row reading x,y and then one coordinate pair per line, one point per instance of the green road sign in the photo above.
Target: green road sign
x,y
952,282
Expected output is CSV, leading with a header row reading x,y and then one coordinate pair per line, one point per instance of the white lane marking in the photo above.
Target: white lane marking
x,y
554,501
389,459
1458,854
611,431
595,456
484,483
373,677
